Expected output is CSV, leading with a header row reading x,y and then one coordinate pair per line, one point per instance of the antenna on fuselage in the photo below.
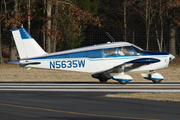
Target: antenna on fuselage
x,y
113,40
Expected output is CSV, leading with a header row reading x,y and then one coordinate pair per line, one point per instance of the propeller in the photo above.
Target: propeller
x,y
171,57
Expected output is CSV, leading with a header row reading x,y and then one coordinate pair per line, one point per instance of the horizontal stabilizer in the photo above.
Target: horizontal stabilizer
x,y
30,63
14,62
144,60
24,63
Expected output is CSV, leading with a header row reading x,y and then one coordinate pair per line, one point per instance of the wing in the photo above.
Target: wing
x,y
121,67
133,64
125,67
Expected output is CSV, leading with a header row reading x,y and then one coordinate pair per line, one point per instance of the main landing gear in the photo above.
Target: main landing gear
x,y
122,78
123,82
103,78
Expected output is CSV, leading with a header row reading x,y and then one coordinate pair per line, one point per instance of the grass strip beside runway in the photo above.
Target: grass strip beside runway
x,y
169,97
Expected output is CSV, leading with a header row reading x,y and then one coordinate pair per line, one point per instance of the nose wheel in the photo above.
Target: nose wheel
x,y
155,77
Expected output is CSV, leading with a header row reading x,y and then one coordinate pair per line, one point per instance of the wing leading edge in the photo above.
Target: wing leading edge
x,y
144,61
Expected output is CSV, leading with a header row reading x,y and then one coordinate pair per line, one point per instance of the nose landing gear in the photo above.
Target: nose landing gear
x,y
155,77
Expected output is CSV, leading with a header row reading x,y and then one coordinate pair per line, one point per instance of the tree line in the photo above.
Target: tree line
x,y
65,24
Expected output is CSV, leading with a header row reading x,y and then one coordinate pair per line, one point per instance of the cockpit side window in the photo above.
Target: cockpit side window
x,y
125,50
110,52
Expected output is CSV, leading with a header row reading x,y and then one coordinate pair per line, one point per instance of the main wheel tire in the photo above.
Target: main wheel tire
x,y
156,81
103,80
123,82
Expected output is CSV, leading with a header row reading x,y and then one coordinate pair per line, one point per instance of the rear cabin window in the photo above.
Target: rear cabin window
x,y
110,52
125,50
95,54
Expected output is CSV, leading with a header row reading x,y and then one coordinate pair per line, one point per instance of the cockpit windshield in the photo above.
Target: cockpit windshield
x,y
138,49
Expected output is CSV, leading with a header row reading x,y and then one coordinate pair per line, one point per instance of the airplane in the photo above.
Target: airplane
x,y
100,60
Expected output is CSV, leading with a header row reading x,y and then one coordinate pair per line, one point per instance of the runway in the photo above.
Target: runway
x,y
82,101
38,105
90,87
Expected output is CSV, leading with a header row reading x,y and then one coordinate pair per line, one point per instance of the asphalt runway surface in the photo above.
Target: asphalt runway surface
x,y
79,105
90,87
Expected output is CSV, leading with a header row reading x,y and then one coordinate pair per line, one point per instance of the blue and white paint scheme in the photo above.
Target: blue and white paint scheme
x,y
100,60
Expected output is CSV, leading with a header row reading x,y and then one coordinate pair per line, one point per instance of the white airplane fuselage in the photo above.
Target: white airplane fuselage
x,y
103,59
94,65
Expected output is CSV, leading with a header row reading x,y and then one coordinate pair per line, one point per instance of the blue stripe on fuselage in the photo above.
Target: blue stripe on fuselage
x,y
125,57
154,53
84,54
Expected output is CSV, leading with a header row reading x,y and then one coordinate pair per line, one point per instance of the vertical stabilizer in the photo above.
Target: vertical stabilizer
x,y
26,45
